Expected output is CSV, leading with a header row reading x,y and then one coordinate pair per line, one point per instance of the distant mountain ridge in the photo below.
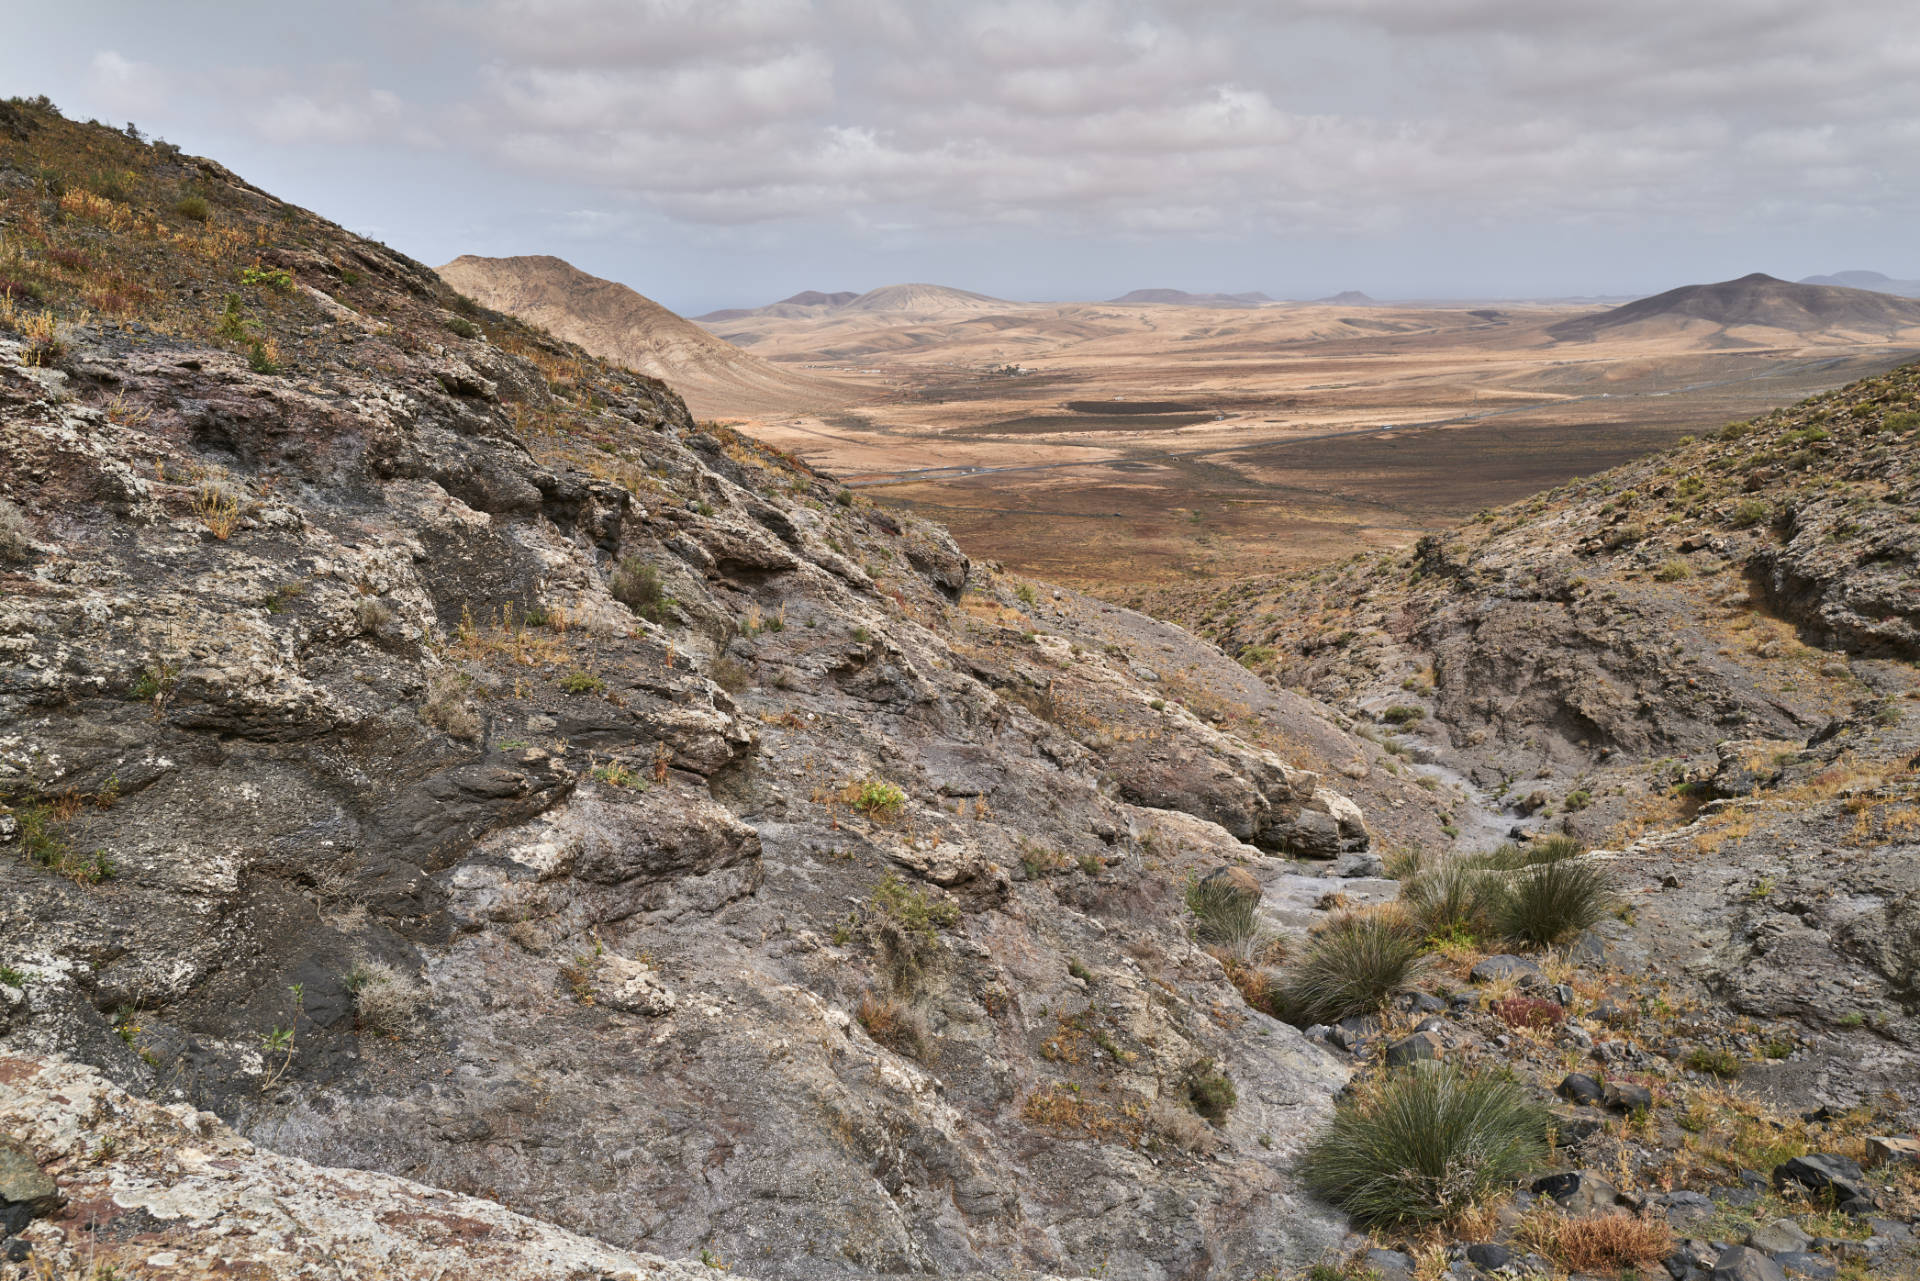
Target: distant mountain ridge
x,y
1877,281
1180,297
617,323
1350,298
918,299
1754,300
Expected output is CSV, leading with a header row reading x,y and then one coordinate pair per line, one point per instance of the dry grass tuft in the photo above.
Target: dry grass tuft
x,y
1605,1244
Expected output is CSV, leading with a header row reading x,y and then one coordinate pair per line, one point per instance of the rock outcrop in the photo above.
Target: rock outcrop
x,y
427,750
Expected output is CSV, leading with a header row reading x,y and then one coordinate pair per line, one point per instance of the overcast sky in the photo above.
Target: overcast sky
x,y
730,152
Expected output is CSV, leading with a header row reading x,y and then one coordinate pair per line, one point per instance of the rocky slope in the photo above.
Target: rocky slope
x,y
1704,660
430,753
617,324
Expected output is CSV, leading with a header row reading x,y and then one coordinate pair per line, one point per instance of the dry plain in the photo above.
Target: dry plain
x,y
1126,448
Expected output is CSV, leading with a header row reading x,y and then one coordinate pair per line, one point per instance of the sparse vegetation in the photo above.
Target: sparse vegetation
x,y
579,682
879,800
448,707
385,1001
1211,1092
1603,1244
1546,901
1425,1145
1353,966
636,584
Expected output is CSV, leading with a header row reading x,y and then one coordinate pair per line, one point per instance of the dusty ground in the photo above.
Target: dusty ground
x,y
1124,448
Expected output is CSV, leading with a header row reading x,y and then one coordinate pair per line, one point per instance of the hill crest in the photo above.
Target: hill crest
x,y
1758,300
617,322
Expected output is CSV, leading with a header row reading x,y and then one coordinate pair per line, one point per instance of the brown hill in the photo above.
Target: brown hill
x,y
1759,301
924,300
1181,298
614,322
804,303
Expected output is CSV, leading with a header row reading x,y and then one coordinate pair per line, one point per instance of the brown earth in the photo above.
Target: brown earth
x,y
613,322
1129,448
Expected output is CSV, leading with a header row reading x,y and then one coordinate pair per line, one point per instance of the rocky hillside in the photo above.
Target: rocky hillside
x,y
616,323
1705,659
426,750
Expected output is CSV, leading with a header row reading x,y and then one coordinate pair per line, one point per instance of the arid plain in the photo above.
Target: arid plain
x,y
1134,447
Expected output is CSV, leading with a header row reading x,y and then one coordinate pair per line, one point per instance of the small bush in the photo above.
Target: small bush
x,y
1223,916
1350,968
636,584
1532,1012
878,800
1211,1092
1749,512
1451,901
913,908
461,327
730,674
1430,1143
1902,422
1724,1064
43,347
577,682
281,282
447,708
898,1027
1182,1128
1544,902
1606,1244
1673,571
263,357
1403,714
193,208
385,1001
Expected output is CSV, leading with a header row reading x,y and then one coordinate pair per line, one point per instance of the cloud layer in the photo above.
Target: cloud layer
x,y
1124,119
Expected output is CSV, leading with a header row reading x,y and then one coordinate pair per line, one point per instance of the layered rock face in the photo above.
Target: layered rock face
x,y
1705,662
431,752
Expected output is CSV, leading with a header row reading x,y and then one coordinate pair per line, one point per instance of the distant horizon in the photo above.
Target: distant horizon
x,y
1275,299
730,152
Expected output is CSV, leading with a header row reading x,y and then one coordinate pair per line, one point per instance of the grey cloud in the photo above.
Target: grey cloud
x,y
725,121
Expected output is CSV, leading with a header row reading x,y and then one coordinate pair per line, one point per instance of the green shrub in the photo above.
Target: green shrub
x,y
581,683
1904,421
1724,1064
1749,512
880,801
1352,967
636,584
1430,1143
1673,571
260,358
1211,1092
233,324
913,908
1223,917
274,278
1453,901
462,327
1543,902
1403,714
193,208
